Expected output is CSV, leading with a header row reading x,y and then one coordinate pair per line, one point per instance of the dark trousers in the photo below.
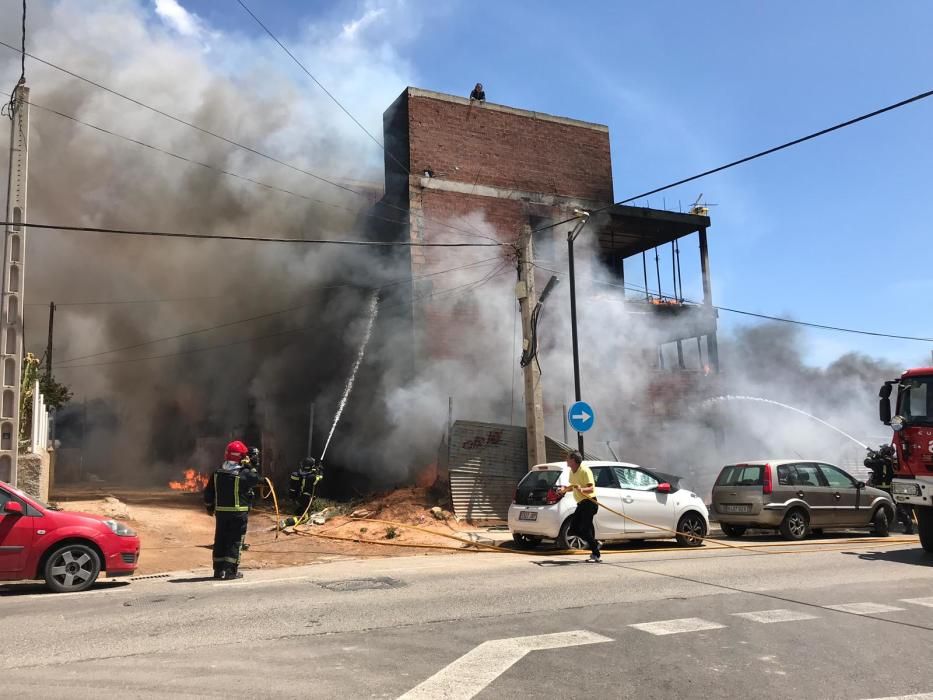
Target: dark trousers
x,y
229,533
301,503
583,524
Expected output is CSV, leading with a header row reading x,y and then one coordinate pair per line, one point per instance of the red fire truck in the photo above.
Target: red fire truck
x,y
912,423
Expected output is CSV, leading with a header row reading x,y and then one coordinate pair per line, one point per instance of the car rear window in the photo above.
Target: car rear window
x,y
532,481
532,489
740,475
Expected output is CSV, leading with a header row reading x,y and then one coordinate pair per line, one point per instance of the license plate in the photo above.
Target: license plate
x,y
527,515
744,508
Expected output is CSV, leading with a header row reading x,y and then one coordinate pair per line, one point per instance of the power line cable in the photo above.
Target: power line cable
x,y
756,315
227,140
271,313
320,85
760,154
113,302
245,178
255,239
327,92
187,123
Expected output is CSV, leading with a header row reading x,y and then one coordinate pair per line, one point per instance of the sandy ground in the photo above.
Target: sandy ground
x,y
176,533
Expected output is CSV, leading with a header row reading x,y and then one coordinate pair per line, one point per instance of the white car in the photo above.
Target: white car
x,y
654,505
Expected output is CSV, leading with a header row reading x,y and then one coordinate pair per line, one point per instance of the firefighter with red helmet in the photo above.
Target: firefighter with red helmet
x,y
228,497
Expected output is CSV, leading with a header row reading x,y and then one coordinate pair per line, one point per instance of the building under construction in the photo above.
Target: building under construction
x,y
448,157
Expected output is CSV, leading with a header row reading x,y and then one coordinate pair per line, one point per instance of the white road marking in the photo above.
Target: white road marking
x,y
918,696
768,616
687,624
472,672
864,608
926,602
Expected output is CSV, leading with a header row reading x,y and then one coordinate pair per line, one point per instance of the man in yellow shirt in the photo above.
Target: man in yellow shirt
x,y
584,492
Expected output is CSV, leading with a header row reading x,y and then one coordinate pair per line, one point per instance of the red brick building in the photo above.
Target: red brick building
x,y
462,170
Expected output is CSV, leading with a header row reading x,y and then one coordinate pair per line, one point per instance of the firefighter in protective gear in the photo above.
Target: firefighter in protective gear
x,y
882,462
228,496
254,459
302,484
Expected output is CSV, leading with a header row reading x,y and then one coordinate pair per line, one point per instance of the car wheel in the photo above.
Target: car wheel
x,y
881,523
691,530
732,530
796,524
569,540
72,568
925,528
526,541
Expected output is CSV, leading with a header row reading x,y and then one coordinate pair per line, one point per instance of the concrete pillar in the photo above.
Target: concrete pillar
x,y
712,344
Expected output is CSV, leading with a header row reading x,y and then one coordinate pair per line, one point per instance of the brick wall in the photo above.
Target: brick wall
x,y
508,148
474,148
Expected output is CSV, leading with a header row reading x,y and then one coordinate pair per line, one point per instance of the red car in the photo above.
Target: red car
x,y
68,550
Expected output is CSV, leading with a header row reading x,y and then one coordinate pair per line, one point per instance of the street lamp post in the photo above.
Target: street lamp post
x,y
571,237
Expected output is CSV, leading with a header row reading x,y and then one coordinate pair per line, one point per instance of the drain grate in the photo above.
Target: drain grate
x,y
145,578
362,584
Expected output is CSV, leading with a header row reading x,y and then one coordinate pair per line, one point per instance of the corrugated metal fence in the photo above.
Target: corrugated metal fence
x,y
487,460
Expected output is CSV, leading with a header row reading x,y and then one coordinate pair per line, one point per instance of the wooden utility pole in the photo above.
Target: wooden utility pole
x,y
11,309
534,398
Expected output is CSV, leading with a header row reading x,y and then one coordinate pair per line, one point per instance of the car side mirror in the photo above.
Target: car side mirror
x,y
884,410
13,508
664,487
859,484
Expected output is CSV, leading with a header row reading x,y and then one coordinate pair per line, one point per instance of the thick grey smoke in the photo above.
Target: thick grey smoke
x,y
236,87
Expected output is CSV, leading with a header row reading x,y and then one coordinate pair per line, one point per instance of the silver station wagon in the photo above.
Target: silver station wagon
x,y
796,497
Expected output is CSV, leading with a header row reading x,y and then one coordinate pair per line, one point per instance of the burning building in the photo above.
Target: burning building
x,y
450,159
463,170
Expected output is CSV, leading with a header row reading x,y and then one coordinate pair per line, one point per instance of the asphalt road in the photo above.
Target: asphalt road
x,y
852,621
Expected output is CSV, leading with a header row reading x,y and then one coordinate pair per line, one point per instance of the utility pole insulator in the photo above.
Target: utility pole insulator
x,y
14,283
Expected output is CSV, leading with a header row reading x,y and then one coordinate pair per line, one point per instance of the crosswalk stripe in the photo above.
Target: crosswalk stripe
x,y
864,608
768,616
926,602
687,624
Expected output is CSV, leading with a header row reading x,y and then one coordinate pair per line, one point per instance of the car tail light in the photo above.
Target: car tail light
x,y
551,498
515,496
766,480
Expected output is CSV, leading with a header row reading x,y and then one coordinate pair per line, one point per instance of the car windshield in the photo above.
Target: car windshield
x,y
16,492
915,400
740,475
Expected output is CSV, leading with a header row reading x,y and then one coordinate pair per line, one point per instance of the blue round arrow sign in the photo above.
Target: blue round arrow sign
x,y
581,416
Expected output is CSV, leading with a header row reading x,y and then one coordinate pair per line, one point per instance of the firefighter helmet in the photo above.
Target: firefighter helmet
x,y
236,451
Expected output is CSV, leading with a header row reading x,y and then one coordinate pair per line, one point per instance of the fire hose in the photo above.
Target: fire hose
x,y
275,502
279,525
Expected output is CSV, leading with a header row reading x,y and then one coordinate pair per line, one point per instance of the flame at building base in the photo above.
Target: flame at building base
x,y
194,481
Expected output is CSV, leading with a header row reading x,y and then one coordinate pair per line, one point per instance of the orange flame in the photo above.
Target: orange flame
x,y
194,481
427,476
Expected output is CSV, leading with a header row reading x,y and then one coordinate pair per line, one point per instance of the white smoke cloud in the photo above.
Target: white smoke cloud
x,y
178,18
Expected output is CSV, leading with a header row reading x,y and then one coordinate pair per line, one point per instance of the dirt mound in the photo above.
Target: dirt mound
x,y
410,506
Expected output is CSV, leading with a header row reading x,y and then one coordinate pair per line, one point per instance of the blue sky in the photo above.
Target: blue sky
x,y
834,231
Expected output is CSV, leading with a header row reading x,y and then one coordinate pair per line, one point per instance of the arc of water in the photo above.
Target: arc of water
x,y
730,397
373,310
